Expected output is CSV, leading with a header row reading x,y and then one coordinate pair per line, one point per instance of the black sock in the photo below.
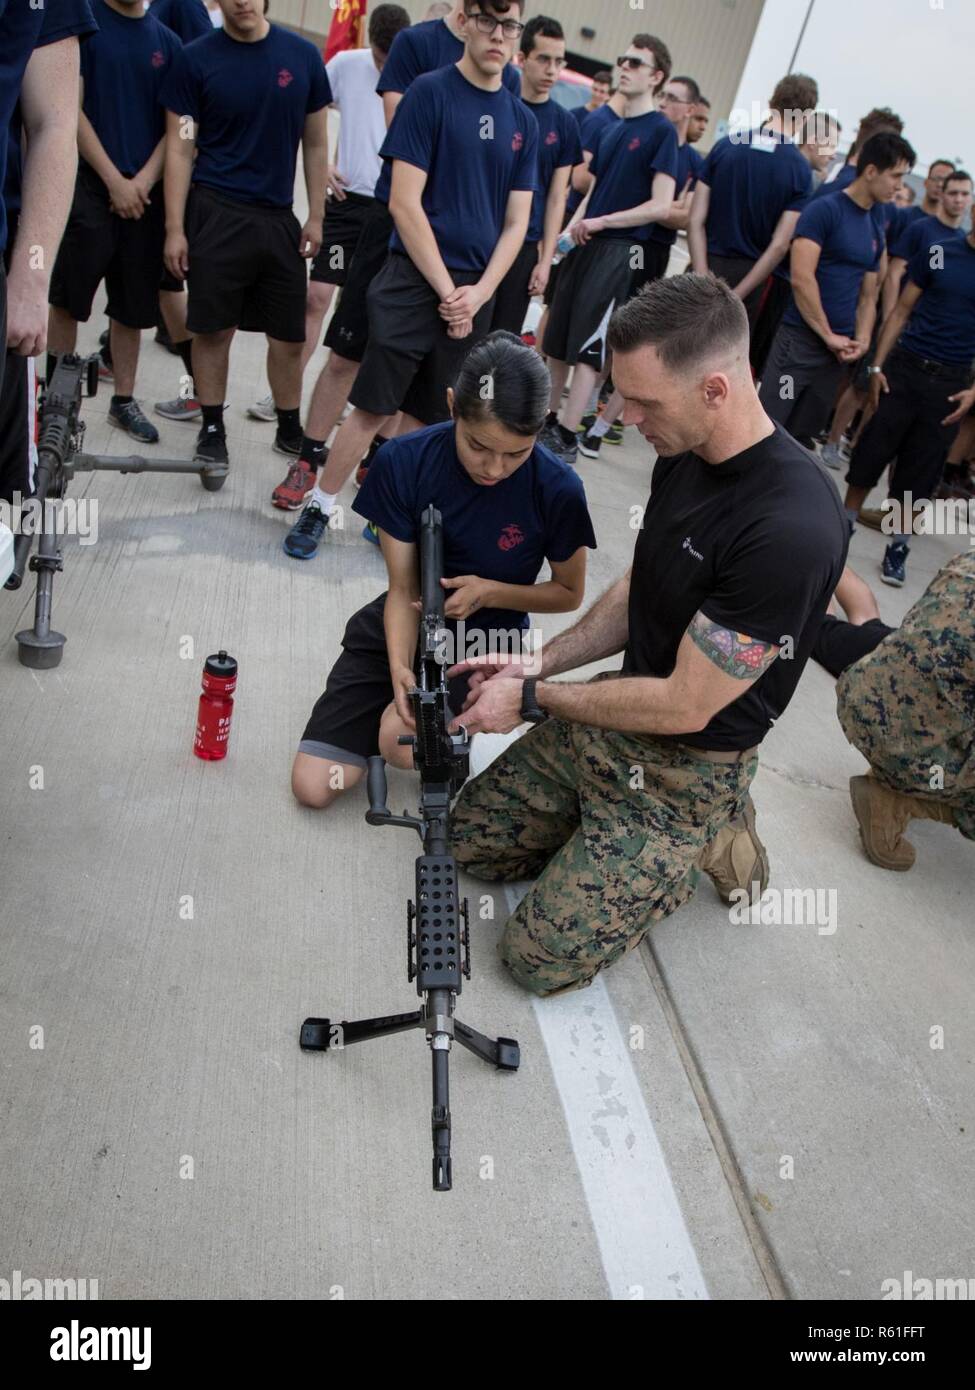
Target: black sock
x,y
567,435
312,451
289,422
212,417
121,400
551,418
185,350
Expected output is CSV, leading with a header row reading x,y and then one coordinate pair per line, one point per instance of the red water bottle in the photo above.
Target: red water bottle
x,y
216,707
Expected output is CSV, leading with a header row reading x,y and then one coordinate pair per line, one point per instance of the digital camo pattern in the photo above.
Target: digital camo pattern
x,y
909,706
610,858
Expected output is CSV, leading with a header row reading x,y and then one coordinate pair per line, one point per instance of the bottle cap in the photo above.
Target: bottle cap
x,y
221,665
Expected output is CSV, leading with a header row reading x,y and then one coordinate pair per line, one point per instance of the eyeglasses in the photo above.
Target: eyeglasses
x,y
486,24
548,61
634,64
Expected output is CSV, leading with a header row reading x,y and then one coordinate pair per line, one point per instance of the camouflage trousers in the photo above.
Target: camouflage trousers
x,y
610,825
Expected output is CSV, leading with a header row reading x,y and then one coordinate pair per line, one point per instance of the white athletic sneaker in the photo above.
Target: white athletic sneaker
x,y
832,455
263,409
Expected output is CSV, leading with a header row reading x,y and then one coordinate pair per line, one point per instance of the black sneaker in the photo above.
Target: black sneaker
x,y
565,449
305,536
590,444
211,447
289,445
130,418
894,568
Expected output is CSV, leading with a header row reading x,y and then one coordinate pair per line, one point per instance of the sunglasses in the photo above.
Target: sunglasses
x,y
634,64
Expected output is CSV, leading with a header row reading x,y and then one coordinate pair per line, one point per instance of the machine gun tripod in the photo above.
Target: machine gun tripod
x,y
437,923
59,458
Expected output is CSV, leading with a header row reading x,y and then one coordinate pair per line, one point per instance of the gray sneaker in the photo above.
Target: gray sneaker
x,y
182,408
263,409
565,450
129,417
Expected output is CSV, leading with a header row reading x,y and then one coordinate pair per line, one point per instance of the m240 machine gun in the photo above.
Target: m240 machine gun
x,y
59,457
437,922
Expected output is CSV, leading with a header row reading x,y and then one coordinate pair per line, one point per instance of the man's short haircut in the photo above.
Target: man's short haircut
x,y
543,25
385,22
879,119
603,75
692,87
797,92
948,164
661,53
687,318
959,176
819,127
499,6
885,151
703,101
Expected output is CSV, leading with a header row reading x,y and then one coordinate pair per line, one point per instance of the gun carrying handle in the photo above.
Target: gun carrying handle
x,y
376,785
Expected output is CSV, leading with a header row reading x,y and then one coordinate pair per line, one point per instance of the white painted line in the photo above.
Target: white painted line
x,y
643,1240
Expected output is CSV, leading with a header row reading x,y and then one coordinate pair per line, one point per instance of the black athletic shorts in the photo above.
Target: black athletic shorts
x,y
733,270
907,426
511,298
553,282
16,425
409,360
839,644
348,330
656,259
772,305
344,725
595,280
246,269
125,252
344,218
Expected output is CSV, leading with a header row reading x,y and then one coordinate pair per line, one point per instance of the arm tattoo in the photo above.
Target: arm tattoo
x,y
735,653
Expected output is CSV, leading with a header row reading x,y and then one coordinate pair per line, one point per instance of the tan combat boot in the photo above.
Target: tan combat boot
x,y
872,517
883,816
736,858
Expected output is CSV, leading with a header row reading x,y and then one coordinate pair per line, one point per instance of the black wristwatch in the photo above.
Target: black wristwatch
x,y
530,708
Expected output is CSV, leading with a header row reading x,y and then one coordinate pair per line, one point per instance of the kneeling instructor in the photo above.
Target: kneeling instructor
x,y
620,791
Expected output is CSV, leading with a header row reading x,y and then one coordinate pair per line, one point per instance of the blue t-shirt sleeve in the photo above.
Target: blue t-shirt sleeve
x,y
590,130
571,152
593,148
920,269
907,242
180,91
663,160
511,79
385,496
568,525
412,135
817,221
712,161
401,67
320,91
64,21
802,187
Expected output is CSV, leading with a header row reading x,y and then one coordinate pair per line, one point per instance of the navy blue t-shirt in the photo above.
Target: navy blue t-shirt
x,y
592,126
422,48
942,326
476,147
558,146
188,19
920,234
689,165
628,154
249,101
852,242
23,28
754,178
123,68
502,533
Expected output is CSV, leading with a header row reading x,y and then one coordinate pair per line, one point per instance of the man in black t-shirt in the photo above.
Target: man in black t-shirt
x,y
619,795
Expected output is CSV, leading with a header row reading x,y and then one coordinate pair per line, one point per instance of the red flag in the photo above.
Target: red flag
x,y
346,27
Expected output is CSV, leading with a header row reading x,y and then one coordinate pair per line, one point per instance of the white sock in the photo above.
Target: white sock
x,y
601,426
324,500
